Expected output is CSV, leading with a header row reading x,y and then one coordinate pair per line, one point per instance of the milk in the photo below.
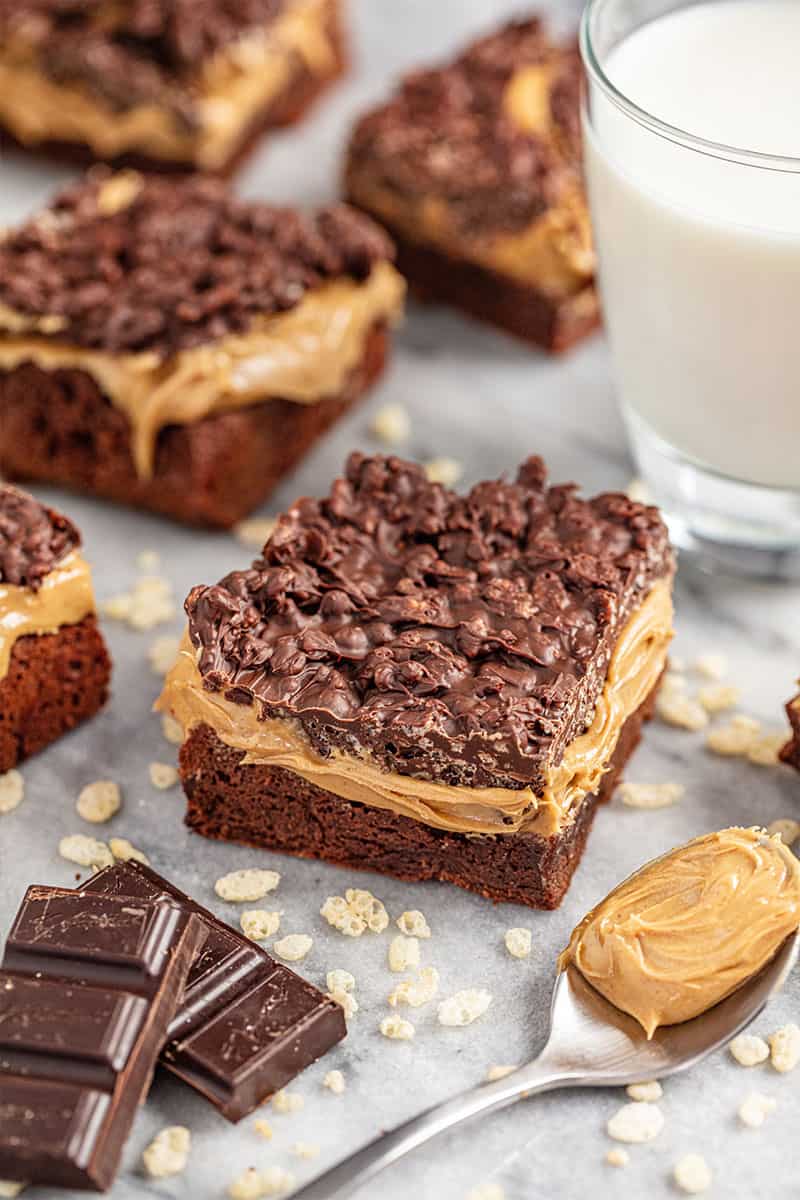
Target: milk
x,y
699,256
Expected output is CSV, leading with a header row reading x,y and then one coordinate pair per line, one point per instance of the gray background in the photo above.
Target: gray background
x,y
487,401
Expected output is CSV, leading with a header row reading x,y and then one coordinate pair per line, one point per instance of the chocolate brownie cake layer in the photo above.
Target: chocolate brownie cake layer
x,y
791,751
476,167
57,427
54,682
124,70
276,810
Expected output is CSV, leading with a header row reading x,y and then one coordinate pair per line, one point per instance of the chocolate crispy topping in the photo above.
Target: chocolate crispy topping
x,y
130,52
458,638
33,539
184,263
447,132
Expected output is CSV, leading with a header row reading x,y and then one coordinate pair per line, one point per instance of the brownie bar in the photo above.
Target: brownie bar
x,y
277,810
58,427
475,168
188,390
791,751
123,60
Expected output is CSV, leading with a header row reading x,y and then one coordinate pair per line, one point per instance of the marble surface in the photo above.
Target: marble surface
x,y
486,401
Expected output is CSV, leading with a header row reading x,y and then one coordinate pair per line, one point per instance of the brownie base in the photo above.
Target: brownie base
x,y
54,682
273,808
520,309
289,107
791,751
58,427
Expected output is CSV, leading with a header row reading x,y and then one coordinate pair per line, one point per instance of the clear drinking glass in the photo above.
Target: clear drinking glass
x,y
699,255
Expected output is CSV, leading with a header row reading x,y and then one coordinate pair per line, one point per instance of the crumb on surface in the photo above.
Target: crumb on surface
x,y
636,1122
755,1108
99,801
255,531
444,470
650,1090
518,942
418,991
355,912
650,795
749,1050
464,1007
413,924
287,1102
12,791
162,775
334,1081
168,1153
403,953
85,851
259,924
293,947
692,1174
397,1029
247,884
784,1045
171,729
125,851
391,424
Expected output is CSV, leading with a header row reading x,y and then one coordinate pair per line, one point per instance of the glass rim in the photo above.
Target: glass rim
x,y
673,133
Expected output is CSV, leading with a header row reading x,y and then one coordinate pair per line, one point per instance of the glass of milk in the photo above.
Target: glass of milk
x,y
692,148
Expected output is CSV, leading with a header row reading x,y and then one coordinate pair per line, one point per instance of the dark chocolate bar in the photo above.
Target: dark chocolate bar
x,y
247,1024
88,985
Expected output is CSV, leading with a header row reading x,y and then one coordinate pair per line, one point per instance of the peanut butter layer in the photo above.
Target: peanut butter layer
x,y
689,928
303,355
228,93
63,597
634,670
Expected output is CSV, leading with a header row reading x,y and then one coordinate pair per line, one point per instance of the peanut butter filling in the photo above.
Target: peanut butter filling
x,y
234,87
635,667
689,928
304,355
64,598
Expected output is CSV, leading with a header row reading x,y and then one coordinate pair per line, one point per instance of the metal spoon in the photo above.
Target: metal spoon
x,y
590,1044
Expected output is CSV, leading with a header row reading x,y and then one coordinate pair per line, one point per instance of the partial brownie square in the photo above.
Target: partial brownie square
x,y
475,169
54,667
164,84
791,751
421,683
166,345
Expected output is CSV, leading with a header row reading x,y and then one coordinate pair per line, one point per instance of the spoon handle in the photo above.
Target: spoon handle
x,y
387,1148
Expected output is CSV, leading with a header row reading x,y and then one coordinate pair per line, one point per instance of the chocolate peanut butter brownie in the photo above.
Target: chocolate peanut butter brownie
x,y
178,84
167,345
474,167
54,668
791,751
431,685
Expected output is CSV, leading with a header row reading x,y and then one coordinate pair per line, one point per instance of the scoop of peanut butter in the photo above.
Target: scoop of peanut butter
x,y
689,928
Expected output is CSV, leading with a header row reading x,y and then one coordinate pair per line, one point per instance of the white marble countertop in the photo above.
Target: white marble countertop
x,y
486,401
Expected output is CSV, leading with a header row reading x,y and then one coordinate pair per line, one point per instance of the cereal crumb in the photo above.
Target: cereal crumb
x,y
486,1191
10,1188
413,924
650,1090
764,750
692,1174
98,802
636,1122
711,666
293,947
638,491
617,1157
717,697
499,1072
258,1185
12,791
464,1007
163,775
172,729
263,1129
255,531
334,1081
346,1001
755,1108
403,953
355,912
397,1029
518,942
305,1150
148,560
85,851
258,923
340,981
749,1050
287,1102
416,992
150,603
391,424
125,851
444,470
168,1152
650,795
784,1046
246,885
734,739
786,829
676,708
161,654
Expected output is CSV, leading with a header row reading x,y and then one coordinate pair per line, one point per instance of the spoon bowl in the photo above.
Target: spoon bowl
x,y
590,1044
